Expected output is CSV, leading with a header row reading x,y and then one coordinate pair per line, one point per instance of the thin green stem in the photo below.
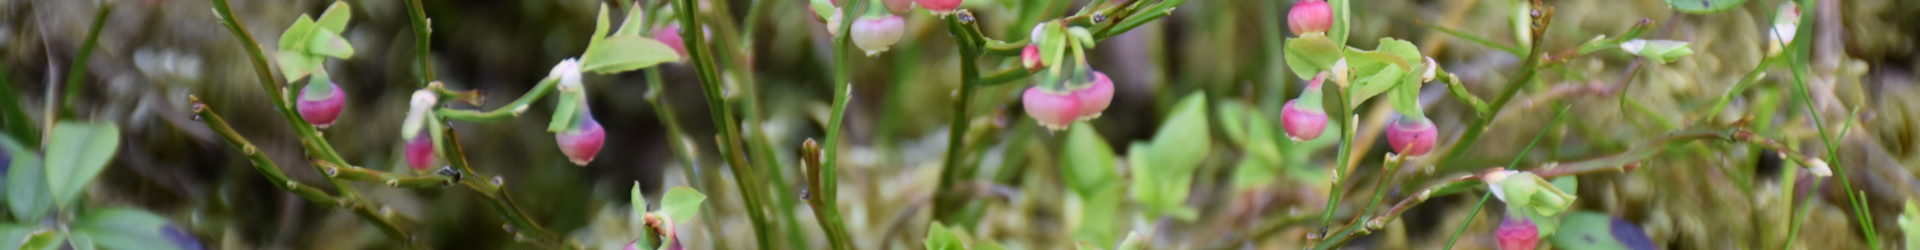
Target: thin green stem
x,y
356,173
967,37
1469,221
492,188
422,39
1542,19
1557,118
825,206
746,177
79,69
261,163
14,115
317,146
1347,123
512,109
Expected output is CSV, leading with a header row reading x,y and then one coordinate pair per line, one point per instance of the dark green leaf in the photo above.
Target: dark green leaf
x,y
27,195
128,228
1704,6
681,203
77,152
622,53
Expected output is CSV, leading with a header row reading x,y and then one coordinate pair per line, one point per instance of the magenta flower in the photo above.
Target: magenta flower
x,y
670,35
582,142
940,7
419,152
1095,98
1053,110
1517,233
1412,136
1310,16
323,106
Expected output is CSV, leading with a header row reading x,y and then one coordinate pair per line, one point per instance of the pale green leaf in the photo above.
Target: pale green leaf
x,y
11,235
1596,231
1381,81
639,201
625,52
1054,47
1134,241
1311,54
599,28
42,240
939,237
681,203
77,152
632,24
329,43
293,38
564,110
127,228
296,65
27,194
1406,99
336,16
1183,141
1088,160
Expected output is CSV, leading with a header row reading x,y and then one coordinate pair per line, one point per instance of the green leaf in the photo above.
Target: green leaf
x,y
564,110
1082,36
27,194
1408,53
626,52
1596,231
1662,51
1311,54
1088,161
681,203
1099,214
939,237
14,234
1909,222
77,153
1704,6
1183,141
1342,21
1381,81
632,24
335,17
126,228
1406,100
296,65
824,9
291,39
329,43
599,29
42,240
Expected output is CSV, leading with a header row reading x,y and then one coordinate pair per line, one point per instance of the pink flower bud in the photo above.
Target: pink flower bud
x,y
1303,124
876,33
581,143
1412,136
1031,58
322,107
1053,110
670,35
1309,16
1095,98
940,7
419,152
1517,233
833,23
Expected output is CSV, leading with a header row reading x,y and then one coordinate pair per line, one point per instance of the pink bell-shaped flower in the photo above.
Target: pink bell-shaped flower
x,y
1095,97
1412,136
877,33
321,105
419,151
583,141
940,7
1517,233
1052,109
1309,16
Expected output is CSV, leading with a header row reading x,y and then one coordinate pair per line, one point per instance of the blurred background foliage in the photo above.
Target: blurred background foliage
x,y
153,53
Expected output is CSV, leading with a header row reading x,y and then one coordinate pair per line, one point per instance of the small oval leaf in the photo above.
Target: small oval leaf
x,y
77,153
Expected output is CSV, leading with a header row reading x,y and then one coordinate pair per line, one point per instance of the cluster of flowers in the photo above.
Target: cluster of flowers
x,y
1305,119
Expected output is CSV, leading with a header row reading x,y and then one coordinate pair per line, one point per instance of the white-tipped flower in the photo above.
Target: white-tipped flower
x,y
568,72
1432,68
877,33
1819,168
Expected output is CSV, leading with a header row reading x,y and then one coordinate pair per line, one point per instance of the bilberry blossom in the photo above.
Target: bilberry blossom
x,y
320,103
1310,16
583,141
1412,136
1030,57
670,35
1053,109
419,151
1302,117
1095,97
876,33
940,7
1517,233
